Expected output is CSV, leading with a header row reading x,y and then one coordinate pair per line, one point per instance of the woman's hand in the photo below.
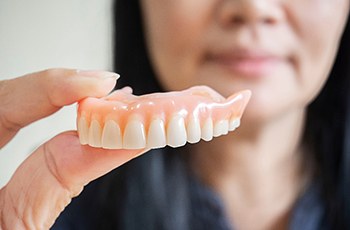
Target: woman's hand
x,y
57,171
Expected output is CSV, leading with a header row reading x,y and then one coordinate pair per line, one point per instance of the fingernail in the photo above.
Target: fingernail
x,y
98,73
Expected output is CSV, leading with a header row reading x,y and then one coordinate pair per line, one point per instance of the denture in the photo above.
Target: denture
x,y
122,120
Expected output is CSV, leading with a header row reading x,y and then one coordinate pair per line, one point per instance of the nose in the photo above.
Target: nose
x,y
241,12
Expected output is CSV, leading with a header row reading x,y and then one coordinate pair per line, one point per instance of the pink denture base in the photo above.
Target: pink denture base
x,y
199,102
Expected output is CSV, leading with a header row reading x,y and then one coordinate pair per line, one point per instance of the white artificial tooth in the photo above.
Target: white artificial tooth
x,y
134,134
220,128
207,130
234,123
83,131
111,136
176,132
156,134
95,134
193,130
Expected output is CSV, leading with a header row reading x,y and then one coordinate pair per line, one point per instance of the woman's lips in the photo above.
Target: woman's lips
x,y
249,64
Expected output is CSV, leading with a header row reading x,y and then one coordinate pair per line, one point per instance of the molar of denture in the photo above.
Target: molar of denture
x,y
233,124
193,130
111,136
95,134
156,134
220,128
176,132
134,134
207,130
83,131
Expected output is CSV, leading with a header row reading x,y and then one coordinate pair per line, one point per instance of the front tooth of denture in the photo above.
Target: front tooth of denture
x,y
156,134
95,134
176,132
193,130
111,136
234,123
134,134
220,128
83,131
207,130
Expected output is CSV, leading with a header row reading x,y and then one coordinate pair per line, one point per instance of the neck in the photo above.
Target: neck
x,y
254,166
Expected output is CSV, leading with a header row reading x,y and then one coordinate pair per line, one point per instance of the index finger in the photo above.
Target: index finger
x,y
37,95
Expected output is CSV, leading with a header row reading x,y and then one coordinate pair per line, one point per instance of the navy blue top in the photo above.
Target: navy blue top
x,y
207,210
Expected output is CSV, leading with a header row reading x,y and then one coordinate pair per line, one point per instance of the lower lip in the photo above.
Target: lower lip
x,y
249,67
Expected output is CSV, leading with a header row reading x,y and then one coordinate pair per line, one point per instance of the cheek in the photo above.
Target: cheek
x,y
174,38
318,42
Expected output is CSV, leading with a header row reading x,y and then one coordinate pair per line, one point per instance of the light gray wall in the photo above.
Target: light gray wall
x,y
40,34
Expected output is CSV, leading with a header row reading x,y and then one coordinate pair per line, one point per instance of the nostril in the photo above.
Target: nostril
x,y
237,20
240,21
268,21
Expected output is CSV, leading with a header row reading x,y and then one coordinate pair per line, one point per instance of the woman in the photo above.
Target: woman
x,y
287,166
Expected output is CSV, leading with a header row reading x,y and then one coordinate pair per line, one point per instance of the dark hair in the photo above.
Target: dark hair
x,y
154,187
327,133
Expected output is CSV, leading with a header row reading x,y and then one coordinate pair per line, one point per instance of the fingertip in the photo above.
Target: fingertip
x,y
98,74
106,86
97,83
77,88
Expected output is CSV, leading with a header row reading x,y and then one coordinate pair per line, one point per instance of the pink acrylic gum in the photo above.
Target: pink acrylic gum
x,y
123,120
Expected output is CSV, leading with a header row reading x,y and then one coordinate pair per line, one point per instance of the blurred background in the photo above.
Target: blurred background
x,y
41,34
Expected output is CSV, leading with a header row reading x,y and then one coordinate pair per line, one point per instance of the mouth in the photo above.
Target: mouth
x,y
246,63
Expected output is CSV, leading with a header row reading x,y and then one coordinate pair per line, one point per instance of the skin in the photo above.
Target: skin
x,y
282,50
58,170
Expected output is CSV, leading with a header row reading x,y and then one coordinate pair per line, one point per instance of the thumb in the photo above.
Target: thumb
x,y
47,181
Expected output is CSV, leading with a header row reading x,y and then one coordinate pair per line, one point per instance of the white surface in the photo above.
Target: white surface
x,y
40,34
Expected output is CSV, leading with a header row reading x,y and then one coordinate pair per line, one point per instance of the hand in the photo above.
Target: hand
x,y
57,171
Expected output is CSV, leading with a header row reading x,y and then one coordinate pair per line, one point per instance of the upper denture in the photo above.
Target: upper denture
x,y
123,120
